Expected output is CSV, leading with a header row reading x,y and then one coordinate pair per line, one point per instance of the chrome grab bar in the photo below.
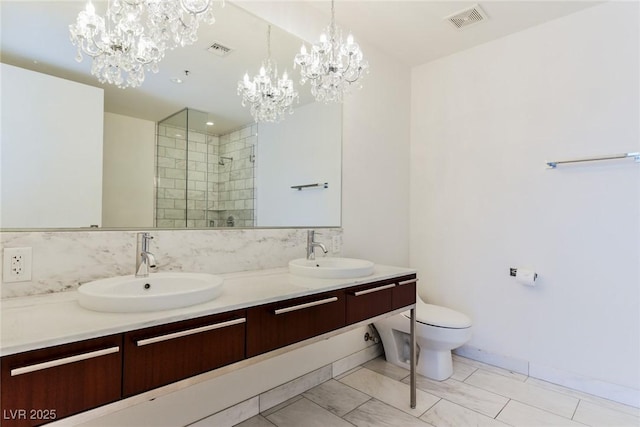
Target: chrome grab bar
x,y
188,332
305,305
63,361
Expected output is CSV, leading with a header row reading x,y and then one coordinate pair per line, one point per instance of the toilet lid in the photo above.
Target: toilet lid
x,y
436,315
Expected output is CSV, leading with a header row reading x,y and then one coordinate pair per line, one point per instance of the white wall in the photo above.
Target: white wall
x,y
375,143
50,125
375,159
129,171
483,123
305,148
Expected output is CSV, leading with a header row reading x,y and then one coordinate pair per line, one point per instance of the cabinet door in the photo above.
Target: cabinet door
x,y
367,301
43,385
276,325
164,354
404,293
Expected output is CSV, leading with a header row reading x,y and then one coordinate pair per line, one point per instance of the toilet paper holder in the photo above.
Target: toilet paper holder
x,y
514,271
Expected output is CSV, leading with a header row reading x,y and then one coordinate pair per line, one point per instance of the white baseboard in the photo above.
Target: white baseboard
x,y
499,360
606,390
615,392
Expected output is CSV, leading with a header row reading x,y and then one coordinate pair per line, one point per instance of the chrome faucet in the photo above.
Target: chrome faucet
x,y
311,245
145,260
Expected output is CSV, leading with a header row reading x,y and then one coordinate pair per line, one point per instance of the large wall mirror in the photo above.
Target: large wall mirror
x,y
180,151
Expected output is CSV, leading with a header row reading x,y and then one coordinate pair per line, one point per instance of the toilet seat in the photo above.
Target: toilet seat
x,y
438,316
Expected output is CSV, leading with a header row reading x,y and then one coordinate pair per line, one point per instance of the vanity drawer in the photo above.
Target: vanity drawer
x,y
276,325
367,301
160,355
404,293
43,385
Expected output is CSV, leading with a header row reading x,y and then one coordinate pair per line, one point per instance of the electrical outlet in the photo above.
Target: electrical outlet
x,y
336,244
17,265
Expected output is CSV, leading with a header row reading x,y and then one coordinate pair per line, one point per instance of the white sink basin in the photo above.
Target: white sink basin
x,y
159,291
331,268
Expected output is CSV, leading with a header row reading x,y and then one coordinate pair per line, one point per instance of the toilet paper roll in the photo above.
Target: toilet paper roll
x,y
526,277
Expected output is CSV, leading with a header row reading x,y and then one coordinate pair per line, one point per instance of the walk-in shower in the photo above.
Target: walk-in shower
x,y
202,178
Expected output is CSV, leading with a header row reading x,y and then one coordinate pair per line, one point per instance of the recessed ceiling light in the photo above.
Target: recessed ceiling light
x,y
176,80
209,123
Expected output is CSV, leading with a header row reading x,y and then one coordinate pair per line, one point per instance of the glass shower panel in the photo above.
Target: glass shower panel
x,y
203,179
171,172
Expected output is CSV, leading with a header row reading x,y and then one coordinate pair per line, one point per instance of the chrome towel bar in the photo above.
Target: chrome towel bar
x,y
554,164
317,185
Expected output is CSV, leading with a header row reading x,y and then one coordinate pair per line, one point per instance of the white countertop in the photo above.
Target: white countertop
x,y
34,322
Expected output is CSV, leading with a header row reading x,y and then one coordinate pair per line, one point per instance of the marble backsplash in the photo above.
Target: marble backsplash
x,y
63,260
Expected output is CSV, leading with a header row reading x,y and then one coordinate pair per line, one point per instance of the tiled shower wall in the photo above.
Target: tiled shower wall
x,y
208,182
235,188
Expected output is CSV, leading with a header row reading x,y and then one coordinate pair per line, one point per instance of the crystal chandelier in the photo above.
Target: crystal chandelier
x,y
332,66
269,96
134,34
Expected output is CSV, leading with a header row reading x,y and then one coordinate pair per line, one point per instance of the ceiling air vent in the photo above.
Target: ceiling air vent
x,y
468,17
219,49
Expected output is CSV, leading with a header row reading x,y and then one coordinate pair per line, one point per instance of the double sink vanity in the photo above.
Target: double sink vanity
x,y
69,352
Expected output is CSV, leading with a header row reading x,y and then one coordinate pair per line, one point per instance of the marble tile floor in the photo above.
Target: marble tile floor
x,y
376,394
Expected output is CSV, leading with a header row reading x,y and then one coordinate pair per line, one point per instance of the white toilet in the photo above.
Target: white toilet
x,y
438,331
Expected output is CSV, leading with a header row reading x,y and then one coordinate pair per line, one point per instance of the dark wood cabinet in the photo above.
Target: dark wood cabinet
x,y
367,301
276,325
404,293
43,385
373,299
160,355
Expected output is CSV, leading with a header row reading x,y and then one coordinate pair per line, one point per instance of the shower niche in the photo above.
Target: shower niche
x,y
204,179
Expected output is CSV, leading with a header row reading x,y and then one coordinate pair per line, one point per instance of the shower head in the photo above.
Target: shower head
x,y
221,162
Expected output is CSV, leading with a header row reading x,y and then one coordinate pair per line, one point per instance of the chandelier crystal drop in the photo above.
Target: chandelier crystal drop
x,y
332,66
134,35
268,96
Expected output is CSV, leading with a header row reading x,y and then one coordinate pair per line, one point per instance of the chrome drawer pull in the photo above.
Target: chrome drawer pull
x,y
306,305
188,332
63,361
408,282
379,288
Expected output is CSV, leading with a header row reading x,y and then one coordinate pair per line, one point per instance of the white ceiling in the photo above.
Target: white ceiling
x,y
413,32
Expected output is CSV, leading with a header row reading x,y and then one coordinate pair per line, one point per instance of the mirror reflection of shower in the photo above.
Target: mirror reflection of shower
x,y
203,179
224,159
